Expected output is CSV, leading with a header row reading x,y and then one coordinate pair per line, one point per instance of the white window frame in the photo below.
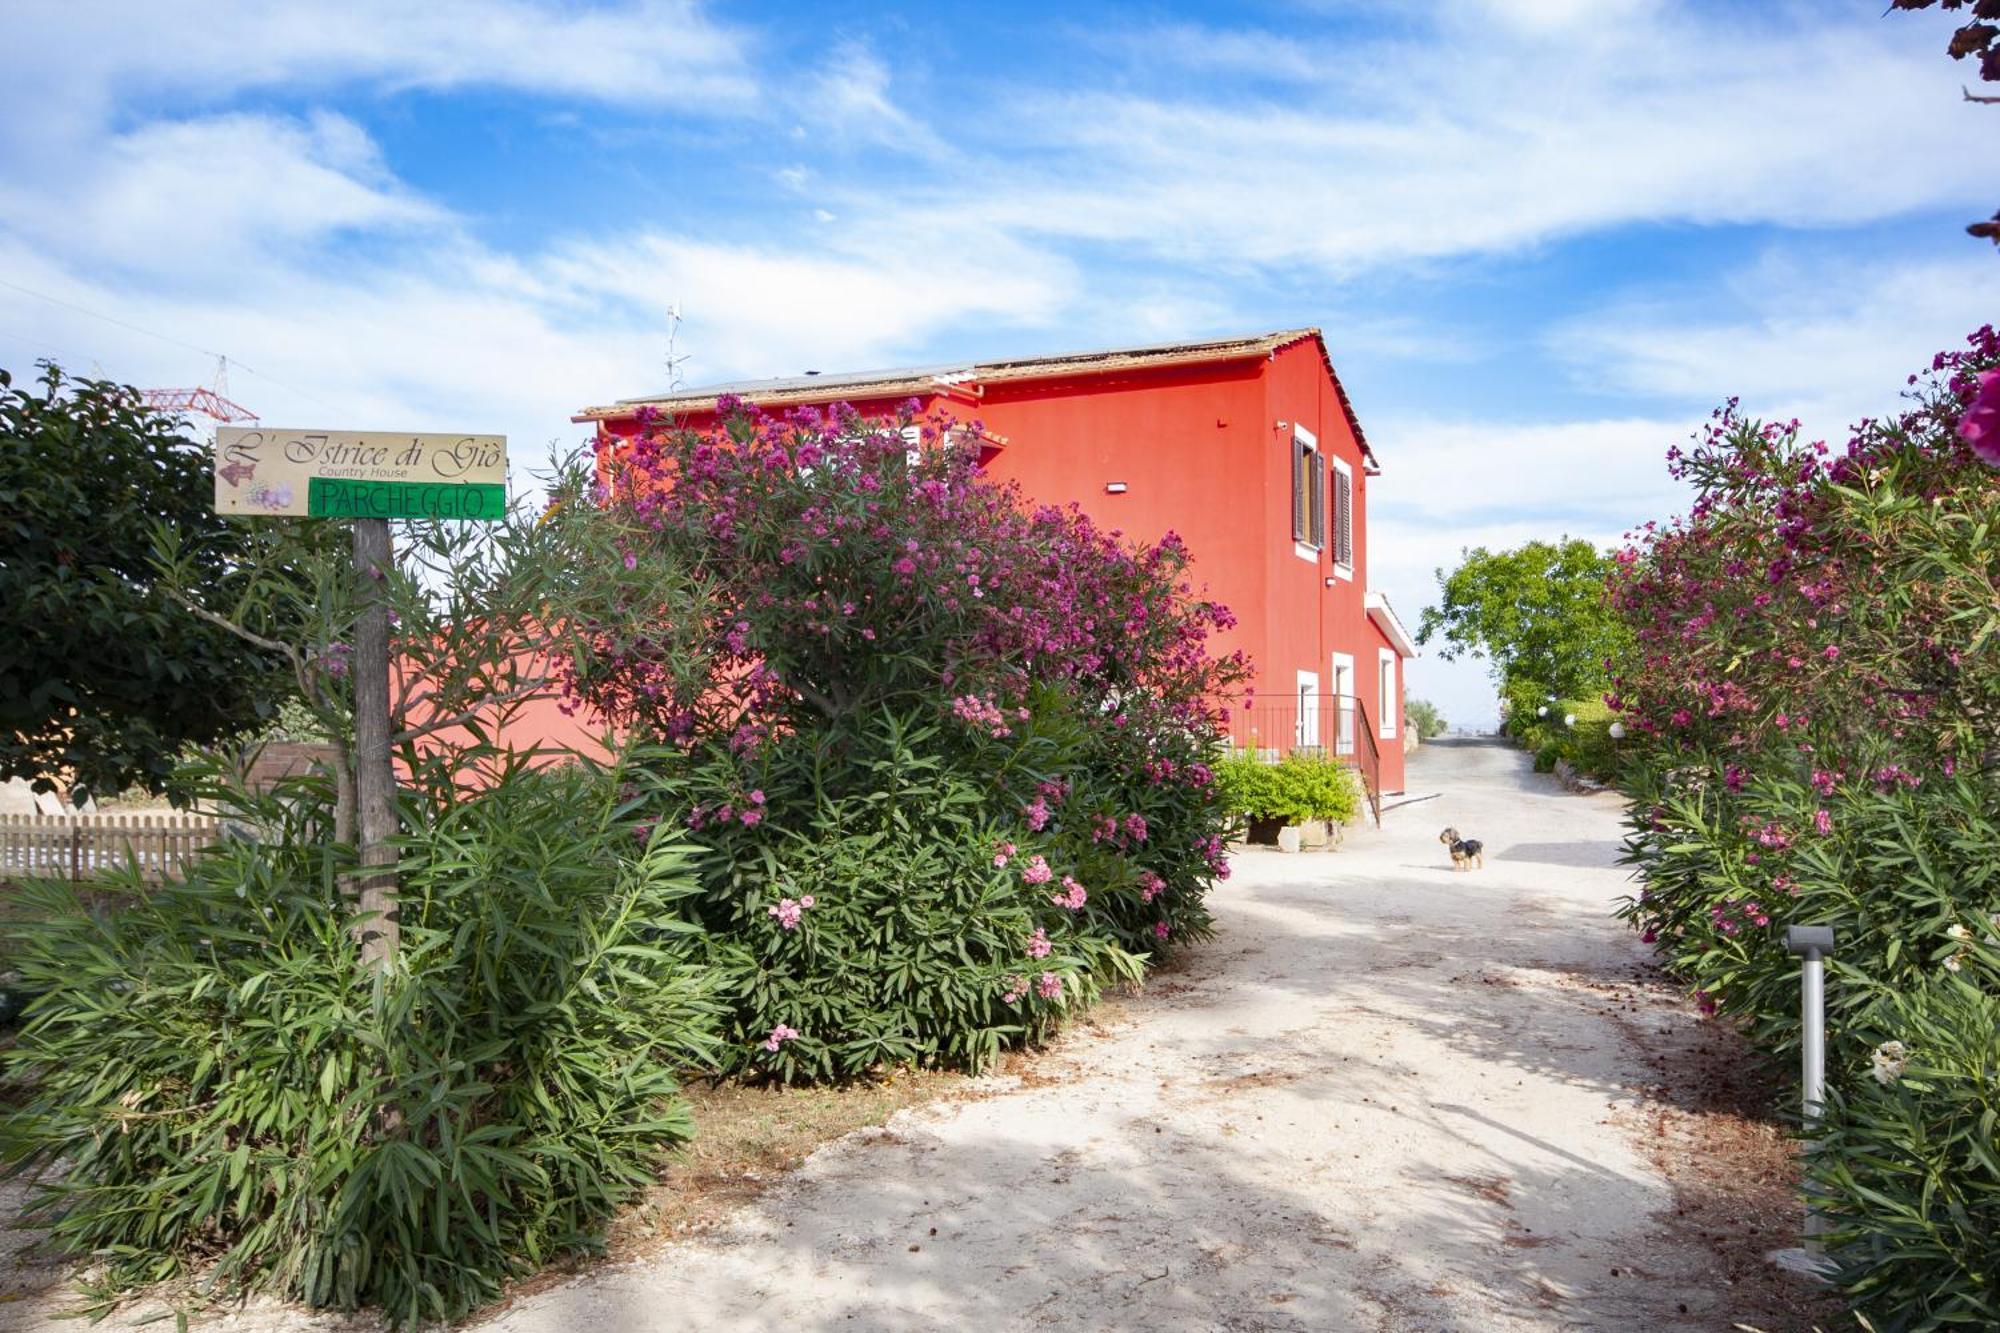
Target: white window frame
x,y
1340,571
1386,669
1304,550
1343,703
1306,731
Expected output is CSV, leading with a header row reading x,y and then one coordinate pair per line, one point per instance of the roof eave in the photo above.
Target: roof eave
x,y
1386,620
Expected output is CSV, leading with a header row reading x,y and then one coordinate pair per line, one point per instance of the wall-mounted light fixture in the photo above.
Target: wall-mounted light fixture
x,y
1114,488
1331,580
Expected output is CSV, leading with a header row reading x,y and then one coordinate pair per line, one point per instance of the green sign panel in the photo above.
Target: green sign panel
x,y
337,497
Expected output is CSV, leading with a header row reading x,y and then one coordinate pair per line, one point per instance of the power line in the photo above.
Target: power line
x,y
165,338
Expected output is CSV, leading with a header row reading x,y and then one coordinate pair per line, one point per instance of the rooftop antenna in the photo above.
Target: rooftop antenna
x,y
675,357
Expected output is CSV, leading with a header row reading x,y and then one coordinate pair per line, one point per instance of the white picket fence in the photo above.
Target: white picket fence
x,y
76,847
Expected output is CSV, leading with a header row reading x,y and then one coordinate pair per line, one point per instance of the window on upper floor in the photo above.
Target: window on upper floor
x,y
1343,518
1308,490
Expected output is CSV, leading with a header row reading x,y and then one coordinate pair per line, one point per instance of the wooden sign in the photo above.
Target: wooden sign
x,y
359,474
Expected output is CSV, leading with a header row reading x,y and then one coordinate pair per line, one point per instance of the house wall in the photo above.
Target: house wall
x,y
1182,442
1201,452
1310,621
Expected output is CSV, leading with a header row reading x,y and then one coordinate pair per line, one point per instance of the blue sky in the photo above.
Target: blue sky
x,y
1544,237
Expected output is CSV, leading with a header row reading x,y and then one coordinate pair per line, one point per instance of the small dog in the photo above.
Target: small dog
x,y
1465,852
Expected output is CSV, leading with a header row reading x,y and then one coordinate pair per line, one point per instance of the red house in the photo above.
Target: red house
x,y
1247,447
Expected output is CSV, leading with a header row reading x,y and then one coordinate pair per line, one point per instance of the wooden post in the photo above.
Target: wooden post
x,y
374,775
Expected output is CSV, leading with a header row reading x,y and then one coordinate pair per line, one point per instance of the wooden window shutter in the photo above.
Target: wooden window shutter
x,y
1318,467
1343,518
1298,492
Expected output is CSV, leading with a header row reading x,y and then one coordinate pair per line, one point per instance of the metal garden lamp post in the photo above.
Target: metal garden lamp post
x,y
1813,945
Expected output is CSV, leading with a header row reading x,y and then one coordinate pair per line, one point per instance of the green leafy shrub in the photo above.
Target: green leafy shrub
x,y
229,1094
1295,789
1907,1169
871,910
1895,869
1577,731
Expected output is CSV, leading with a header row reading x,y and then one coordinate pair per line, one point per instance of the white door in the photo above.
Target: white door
x,y
1343,691
1307,732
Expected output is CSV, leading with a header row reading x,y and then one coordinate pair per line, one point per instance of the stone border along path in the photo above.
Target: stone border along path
x,y
1386,1096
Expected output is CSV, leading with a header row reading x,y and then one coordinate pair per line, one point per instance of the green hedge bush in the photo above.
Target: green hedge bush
x,y
878,910
1907,1167
1815,678
1293,790
225,1093
1586,743
1896,869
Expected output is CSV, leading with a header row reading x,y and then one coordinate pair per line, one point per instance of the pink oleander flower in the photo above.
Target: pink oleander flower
x,y
1049,986
1003,854
1135,827
779,1036
1017,986
788,912
1160,930
751,817
808,902
1037,871
1151,886
1038,944
1822,822
1980,426
1074,896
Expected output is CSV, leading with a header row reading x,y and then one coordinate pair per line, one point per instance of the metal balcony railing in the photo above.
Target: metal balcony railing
x,y
1275,725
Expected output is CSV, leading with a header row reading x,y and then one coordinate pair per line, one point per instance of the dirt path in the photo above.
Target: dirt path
x,y
1386,1096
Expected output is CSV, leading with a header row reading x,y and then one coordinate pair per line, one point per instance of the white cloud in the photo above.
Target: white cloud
x,y
89,55
1478,138
767,310
1448,485
849,96
177,197
1805,333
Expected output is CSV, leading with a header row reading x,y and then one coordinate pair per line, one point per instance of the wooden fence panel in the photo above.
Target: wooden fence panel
x,y
78,847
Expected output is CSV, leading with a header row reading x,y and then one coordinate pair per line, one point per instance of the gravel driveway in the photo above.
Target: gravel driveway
x,y
1387,1096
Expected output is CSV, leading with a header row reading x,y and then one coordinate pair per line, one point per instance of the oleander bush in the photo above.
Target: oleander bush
x,y
1815,676
975,734
216,1088
878,912
1291,790
1906,1171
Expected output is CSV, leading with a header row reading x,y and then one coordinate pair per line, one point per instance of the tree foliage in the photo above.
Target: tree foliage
x,y
1424,716
104,680
1536,612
